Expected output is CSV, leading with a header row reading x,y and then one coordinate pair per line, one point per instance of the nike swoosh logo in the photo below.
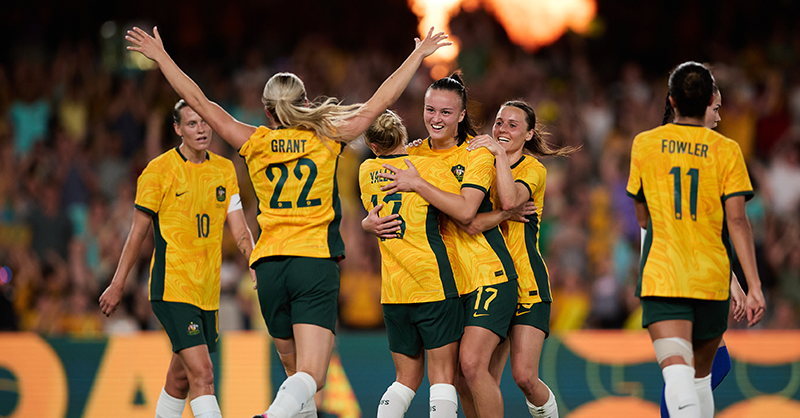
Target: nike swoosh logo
x,y
522,313
477,314
181,194
684,406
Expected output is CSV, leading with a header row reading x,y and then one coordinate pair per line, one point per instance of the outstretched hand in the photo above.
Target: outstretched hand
x,y
431,42
402,180
147,45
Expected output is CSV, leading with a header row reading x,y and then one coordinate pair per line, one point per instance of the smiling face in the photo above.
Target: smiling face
x,y
511,129
194,130
442,113
712,112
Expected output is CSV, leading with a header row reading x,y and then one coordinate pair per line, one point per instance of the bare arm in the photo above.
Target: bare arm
x,y
109,300
391,89
243,237
461,207
642,213
742,237
229,129
488,220
511,193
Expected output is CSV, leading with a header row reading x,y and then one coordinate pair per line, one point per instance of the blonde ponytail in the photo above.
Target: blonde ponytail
x,y
285,99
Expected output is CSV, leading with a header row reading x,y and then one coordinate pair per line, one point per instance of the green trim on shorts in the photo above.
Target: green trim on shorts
x,y
412,327
709,317
187,325
297,290
536,315
491,307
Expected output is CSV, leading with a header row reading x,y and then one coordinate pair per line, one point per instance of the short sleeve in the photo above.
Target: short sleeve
x,y
736,181
479,173
634,188
149,190
230,178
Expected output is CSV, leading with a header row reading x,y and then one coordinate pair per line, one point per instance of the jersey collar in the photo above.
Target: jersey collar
x,y
178,149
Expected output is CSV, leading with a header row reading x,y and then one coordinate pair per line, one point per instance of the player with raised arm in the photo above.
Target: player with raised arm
x,y
187,193
292,166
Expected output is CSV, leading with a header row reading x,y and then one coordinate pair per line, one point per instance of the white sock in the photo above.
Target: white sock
x,y
679,391
297,390
205,406
169,407
309,410
395,401
548,410
705,396
444,401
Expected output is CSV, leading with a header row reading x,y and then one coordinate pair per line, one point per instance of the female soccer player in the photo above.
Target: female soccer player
x,y
421,306
722,360
689,186
187,193
293,170
486,273
518,140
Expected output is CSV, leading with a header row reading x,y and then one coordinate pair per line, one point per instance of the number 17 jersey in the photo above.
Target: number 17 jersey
x,y
685,173
294,176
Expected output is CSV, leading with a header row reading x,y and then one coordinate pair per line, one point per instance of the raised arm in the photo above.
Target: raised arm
x,y
109,300
229,129
243,237
741,234
390,90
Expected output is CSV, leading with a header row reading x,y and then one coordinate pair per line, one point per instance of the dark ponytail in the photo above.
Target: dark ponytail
x,y
669,112
455,84
538,145
691,86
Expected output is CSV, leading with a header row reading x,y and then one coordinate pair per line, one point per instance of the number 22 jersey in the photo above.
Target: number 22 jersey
x,y
294,176
685,173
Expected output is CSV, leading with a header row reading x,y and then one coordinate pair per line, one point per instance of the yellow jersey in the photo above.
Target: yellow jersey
x,y
294,176
523,238
188,204
415,267
684,173
483,259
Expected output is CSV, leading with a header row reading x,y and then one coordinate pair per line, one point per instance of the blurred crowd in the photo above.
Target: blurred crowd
x,y
75,132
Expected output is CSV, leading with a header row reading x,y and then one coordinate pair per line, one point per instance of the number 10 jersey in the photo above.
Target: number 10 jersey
x,y
294,176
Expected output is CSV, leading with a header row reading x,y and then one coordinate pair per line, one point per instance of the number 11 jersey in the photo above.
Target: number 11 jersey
x,y
294,176
685,173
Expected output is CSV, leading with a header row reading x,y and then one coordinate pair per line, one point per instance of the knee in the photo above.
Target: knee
x,y
471,367
203,376
526,378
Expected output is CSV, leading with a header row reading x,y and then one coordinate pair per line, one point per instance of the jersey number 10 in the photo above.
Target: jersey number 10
x,y
694,174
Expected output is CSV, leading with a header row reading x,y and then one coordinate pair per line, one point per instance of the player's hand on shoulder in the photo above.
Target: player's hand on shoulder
x,y
415,143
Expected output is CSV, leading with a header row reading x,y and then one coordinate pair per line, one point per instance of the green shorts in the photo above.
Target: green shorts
x,y
297,290
414,326
536,315
187,325
491,307
709,317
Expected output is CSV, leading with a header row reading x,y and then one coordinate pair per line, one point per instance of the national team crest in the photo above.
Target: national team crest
x,y
458,171
194,329
220,194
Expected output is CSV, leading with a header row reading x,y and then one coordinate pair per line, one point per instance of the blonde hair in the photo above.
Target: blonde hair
x,y
387,132
285,99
